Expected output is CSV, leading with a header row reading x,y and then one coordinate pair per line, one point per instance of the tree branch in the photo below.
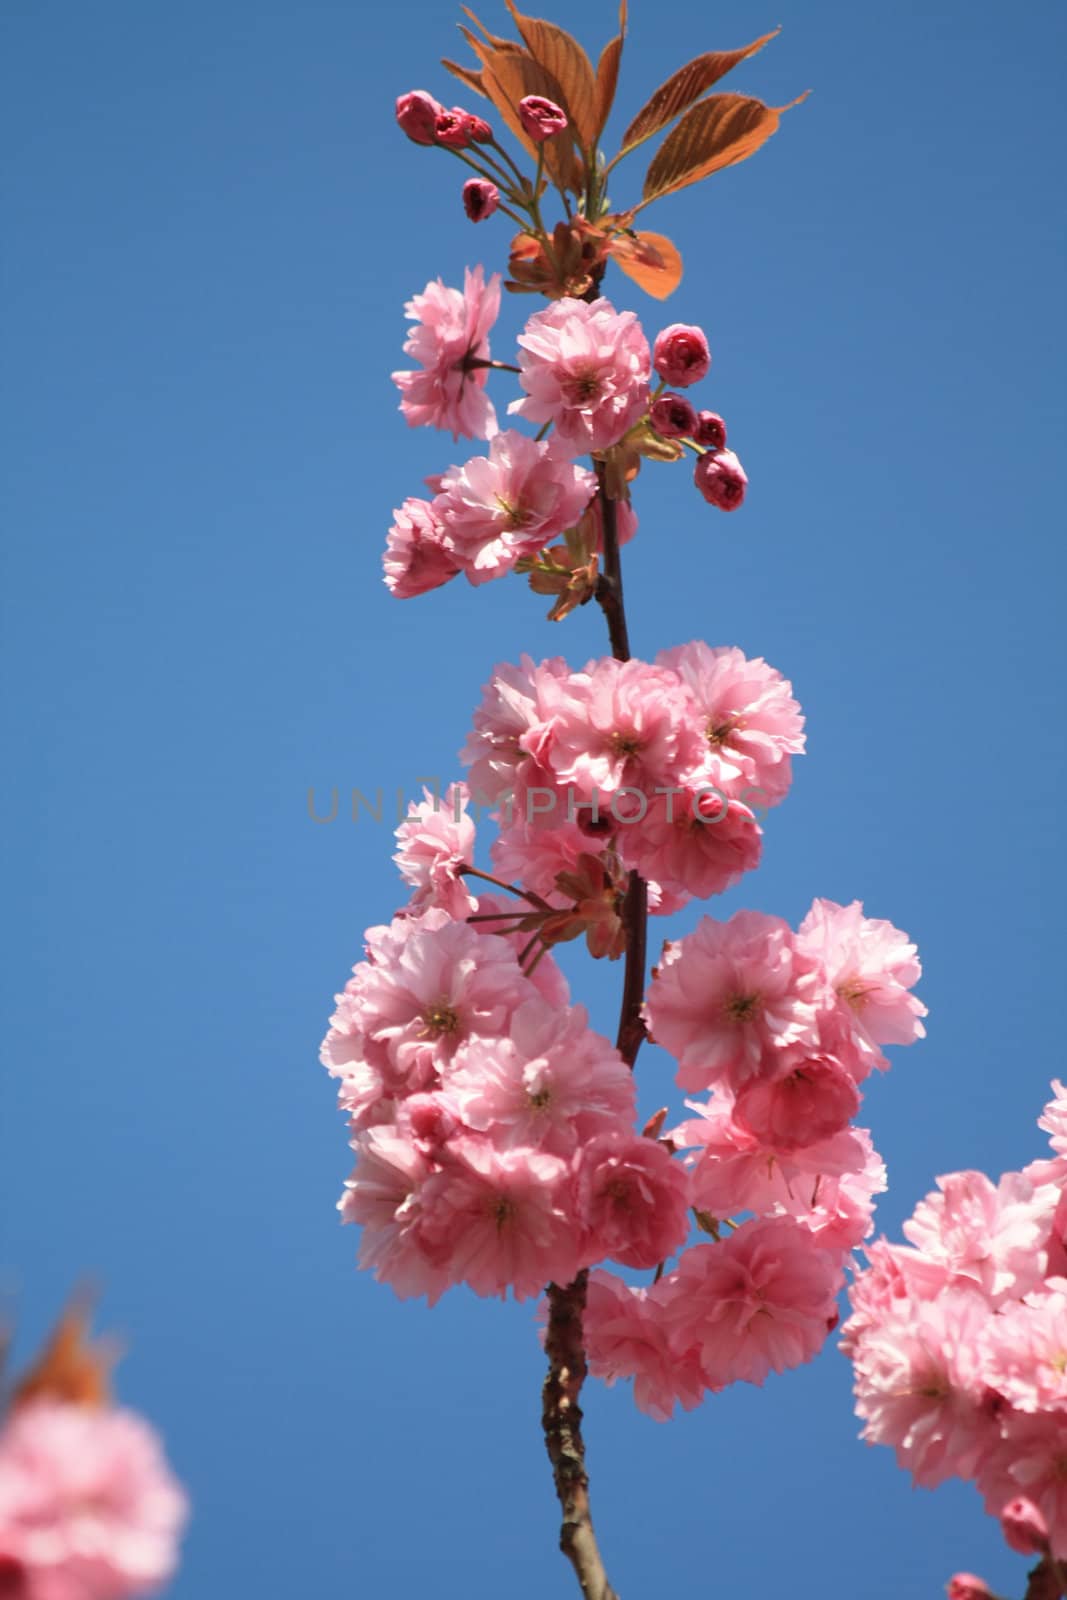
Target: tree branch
x,y
562,1422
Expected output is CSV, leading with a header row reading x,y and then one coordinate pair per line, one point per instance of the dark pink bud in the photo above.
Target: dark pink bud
x,y
453,128
417,113
541,118
480,130
681,355
721,480
965,1586
1024,1527
480,198
710,431
673,417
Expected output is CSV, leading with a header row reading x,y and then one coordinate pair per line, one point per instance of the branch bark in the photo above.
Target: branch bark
x,y
561,1415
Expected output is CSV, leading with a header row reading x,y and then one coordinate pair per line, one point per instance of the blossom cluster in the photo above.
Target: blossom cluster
x,y
586,372
659,767
959,1341
493,1128
781,1028
89,1509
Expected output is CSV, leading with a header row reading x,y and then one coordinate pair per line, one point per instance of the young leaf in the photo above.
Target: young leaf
x,y
684,87
562,56
607,77
716,133
467,75
651,260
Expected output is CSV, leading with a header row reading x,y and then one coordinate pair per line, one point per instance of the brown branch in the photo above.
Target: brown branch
x,y
561,1419
564,1340
1045,1581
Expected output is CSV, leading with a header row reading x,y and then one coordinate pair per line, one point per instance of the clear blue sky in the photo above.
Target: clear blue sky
x,y
212,224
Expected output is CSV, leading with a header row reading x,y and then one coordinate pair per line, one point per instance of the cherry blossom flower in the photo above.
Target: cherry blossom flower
x,y
729,996
417,113
510,503
812,1099
756,1302
632,1197
751,723
480,198
585,369
436,841
626,724
680,355
627,1337
693,840
451,333
88,1504
541,118
721,479
987,1234
868,968
417,556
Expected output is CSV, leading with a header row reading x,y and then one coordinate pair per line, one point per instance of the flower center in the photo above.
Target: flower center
x,y
853,992
718,733
440,1019
584,385
502,1210
516,516
743,1007
626,743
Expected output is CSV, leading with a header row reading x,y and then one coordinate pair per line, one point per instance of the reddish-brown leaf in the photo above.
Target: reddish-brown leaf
x,y
607,76
71,1367
493,38
651,260
562,56
466,75
508,76
684,87
716,133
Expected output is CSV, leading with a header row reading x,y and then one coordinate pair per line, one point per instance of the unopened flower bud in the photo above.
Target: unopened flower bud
x,y
480,198
480,131
965,1586
681,355
710,431
417,113
1024,1527
541,118
453,128
721,479
673,417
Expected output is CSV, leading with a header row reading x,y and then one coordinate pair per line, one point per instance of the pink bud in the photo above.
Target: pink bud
x,y
417,113
541,118
480,130
710,430
721,479
453,128
673,417
480,198
1024,1527
681,355
965,1586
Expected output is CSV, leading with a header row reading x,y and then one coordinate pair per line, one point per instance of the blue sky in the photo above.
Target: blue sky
x,y
212,225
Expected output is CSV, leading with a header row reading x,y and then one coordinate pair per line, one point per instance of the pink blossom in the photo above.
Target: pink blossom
x,y
965,1586
710,430
541,118
868,967
692,841
1023,1526
632,1197
385,1196
1054,1118
452,332
88,1504
920,1386
436,841
515,725
626,1337
729,996
721,479
549,1082
535,855
838,1206
499,1219
455,129
624,724
756,1302
480,198
673,417
510,503
681,355
751,723
417,557
1031,1460
985,1234
546,977
417,113
811,1100
584,368
1028,1351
